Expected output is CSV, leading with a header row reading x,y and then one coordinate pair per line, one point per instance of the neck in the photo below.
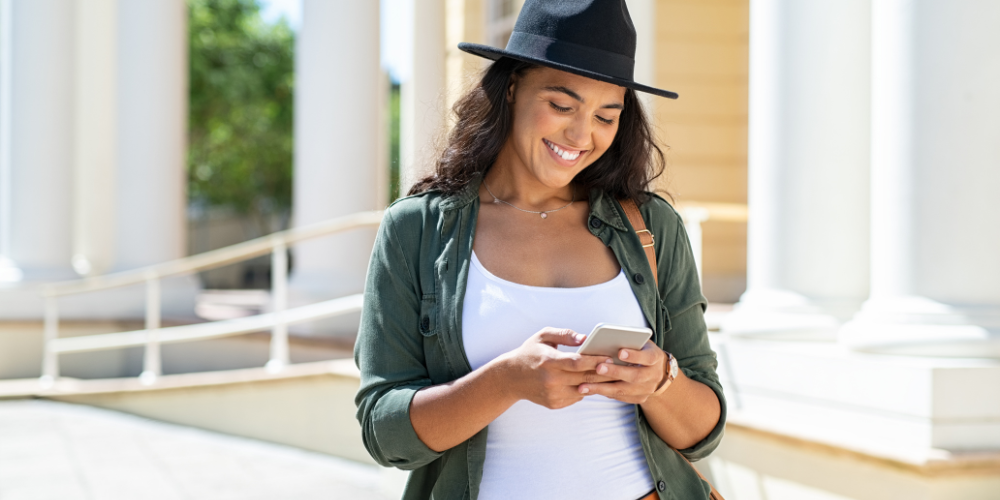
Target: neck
x,y
511,181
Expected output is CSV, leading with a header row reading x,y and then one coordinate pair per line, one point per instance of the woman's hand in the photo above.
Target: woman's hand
x,y
445,415
542,374
630,384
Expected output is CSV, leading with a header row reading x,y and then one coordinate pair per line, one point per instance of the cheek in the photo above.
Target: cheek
x,y
536,122
545,123
604,138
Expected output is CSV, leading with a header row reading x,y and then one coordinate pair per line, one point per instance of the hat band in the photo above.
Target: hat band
x,y
571,54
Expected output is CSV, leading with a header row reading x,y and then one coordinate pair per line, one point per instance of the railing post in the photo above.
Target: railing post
x,y
279,300
50,359
693,217
151,368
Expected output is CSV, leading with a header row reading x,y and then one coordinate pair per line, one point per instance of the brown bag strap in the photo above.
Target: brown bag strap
x,y
646,238
715,493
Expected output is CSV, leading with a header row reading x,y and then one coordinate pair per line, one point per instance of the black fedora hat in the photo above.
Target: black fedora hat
x,y
591,38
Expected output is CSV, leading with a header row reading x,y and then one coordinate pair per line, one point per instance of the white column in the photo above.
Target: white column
x,y
808,167
422,98
935,284
337,128
95,106
152,138
152,103
9,272
40,134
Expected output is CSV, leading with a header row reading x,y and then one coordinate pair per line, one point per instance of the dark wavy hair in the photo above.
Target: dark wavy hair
x,y
483,124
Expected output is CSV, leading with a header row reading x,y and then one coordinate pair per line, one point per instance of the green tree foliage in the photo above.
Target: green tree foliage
x,y
394,142
240,122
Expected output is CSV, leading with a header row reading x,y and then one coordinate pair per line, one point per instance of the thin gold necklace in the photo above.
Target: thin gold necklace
x,y
543,213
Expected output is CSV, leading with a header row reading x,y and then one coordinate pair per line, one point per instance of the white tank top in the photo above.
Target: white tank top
x,y
587,450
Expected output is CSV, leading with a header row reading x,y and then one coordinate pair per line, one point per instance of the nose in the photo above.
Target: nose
x,y
579,130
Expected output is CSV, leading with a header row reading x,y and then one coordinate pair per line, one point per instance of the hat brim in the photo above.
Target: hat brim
x,y
494,53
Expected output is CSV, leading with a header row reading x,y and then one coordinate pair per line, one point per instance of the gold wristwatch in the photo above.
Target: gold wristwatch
x,y
669,375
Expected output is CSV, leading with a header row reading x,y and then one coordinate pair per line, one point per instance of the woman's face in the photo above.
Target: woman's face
x,y
562,123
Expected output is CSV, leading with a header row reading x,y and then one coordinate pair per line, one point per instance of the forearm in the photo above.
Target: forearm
x,y
446,415
684,414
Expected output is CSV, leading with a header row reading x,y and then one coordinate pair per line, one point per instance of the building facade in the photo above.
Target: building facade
x,y
865,337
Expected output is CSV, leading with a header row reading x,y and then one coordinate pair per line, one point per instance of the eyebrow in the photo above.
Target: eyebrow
x,y
574,95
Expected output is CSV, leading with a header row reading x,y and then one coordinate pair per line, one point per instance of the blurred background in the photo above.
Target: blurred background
x,y
189,192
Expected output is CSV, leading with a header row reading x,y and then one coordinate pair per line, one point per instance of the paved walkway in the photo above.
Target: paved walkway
x,y
61,451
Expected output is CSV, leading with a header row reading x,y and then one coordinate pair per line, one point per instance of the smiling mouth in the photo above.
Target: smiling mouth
x,y
568,155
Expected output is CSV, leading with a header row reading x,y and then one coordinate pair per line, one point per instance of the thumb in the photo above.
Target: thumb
x,y
560,336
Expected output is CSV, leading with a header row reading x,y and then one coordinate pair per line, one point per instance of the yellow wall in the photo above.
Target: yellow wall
x,y
466,22
701,53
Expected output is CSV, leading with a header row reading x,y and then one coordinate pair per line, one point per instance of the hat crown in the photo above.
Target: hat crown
x,y
600,24
591,38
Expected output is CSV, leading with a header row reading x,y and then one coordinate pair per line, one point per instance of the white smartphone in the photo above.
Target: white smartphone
x,y
606,340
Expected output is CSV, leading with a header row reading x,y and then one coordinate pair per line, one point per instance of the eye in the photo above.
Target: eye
x,y
559,108
605,121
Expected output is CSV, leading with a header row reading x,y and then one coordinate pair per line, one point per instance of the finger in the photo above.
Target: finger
x,y
560,336
566,387
631,374
649,355
591,377
573,362
613,390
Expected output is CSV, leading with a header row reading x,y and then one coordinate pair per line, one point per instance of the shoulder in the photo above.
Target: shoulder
x,y
412,213
661,216
416,205
658,204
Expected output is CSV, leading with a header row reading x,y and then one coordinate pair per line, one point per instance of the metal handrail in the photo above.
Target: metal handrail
x,y
214,258
721,212
212,329
153,335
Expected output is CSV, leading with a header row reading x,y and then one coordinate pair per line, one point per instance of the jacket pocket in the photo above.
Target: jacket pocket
x,y
435,358
428,322
664,325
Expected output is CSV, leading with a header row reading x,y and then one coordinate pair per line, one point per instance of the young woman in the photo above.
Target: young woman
x,y
483,282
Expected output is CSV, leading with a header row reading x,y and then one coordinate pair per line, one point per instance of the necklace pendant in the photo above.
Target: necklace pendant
x,y
496,201
545,215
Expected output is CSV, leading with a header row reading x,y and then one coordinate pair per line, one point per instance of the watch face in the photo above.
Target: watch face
x,y
673,367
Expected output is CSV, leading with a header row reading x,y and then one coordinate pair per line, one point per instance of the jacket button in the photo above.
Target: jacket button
x,y
638,278
425,324
595,223
660,485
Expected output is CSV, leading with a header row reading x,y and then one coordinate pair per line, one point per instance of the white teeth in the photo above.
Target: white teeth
x,y
566,155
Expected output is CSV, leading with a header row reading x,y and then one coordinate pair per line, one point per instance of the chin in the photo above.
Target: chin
x,y
556,180
556,176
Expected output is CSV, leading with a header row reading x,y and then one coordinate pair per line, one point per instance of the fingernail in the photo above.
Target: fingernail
x,y
609,360
623,355
602,369
584,390
579,337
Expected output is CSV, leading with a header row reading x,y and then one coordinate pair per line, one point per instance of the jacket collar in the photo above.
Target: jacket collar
x,y
602,206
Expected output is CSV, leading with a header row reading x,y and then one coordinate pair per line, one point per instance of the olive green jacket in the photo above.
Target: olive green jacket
x,y
410,335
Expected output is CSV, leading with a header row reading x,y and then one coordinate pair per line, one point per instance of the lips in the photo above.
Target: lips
x,y
564,153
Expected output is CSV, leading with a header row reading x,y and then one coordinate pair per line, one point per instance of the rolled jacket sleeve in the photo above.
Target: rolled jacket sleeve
x,y
687,337
390,356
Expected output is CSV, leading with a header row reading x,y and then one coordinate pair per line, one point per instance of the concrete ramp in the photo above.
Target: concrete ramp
x,y
52,450
306,405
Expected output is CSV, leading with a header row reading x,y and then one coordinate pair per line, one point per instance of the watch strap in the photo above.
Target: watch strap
x,y
669,374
